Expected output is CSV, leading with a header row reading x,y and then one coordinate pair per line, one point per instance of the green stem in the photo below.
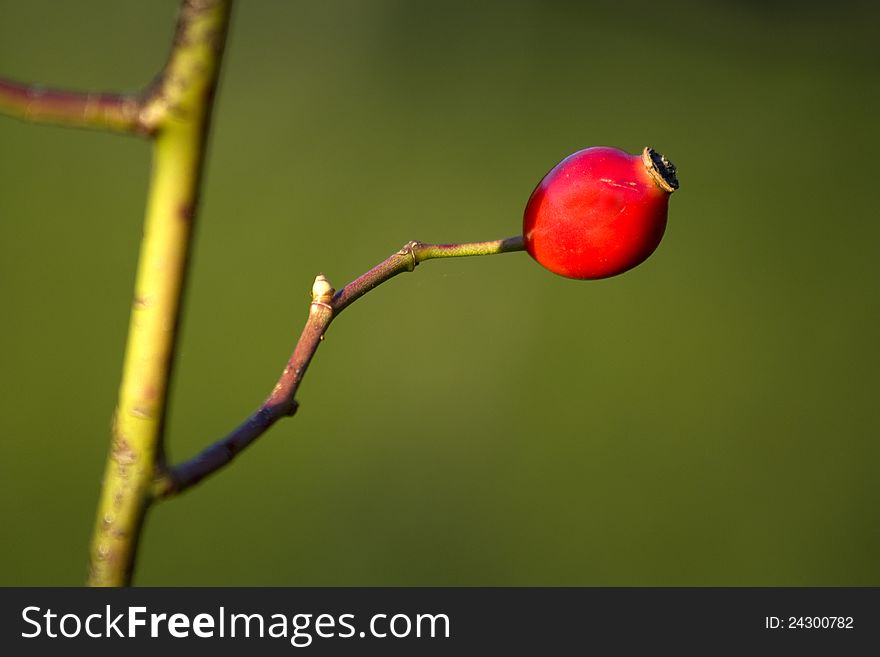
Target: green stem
x,y
428,251
411,255
326,305
179,105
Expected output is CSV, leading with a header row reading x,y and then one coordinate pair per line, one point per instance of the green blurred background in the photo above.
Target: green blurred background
x,y
709,418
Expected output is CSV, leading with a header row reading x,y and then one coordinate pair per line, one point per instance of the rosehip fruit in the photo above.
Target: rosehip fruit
x,y
599,212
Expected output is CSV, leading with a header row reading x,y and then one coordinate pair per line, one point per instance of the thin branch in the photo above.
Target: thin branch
x,y
325,306
171,97
115,112
411,255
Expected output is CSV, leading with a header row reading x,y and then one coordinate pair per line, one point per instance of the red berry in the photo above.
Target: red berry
x,y
599,212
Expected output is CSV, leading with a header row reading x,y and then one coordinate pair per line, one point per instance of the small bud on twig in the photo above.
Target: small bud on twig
x,y
322,291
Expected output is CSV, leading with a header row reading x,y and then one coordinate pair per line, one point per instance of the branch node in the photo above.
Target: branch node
x,y
410,249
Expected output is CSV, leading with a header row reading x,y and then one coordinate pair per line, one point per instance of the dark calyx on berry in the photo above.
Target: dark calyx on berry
x,y
661,169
